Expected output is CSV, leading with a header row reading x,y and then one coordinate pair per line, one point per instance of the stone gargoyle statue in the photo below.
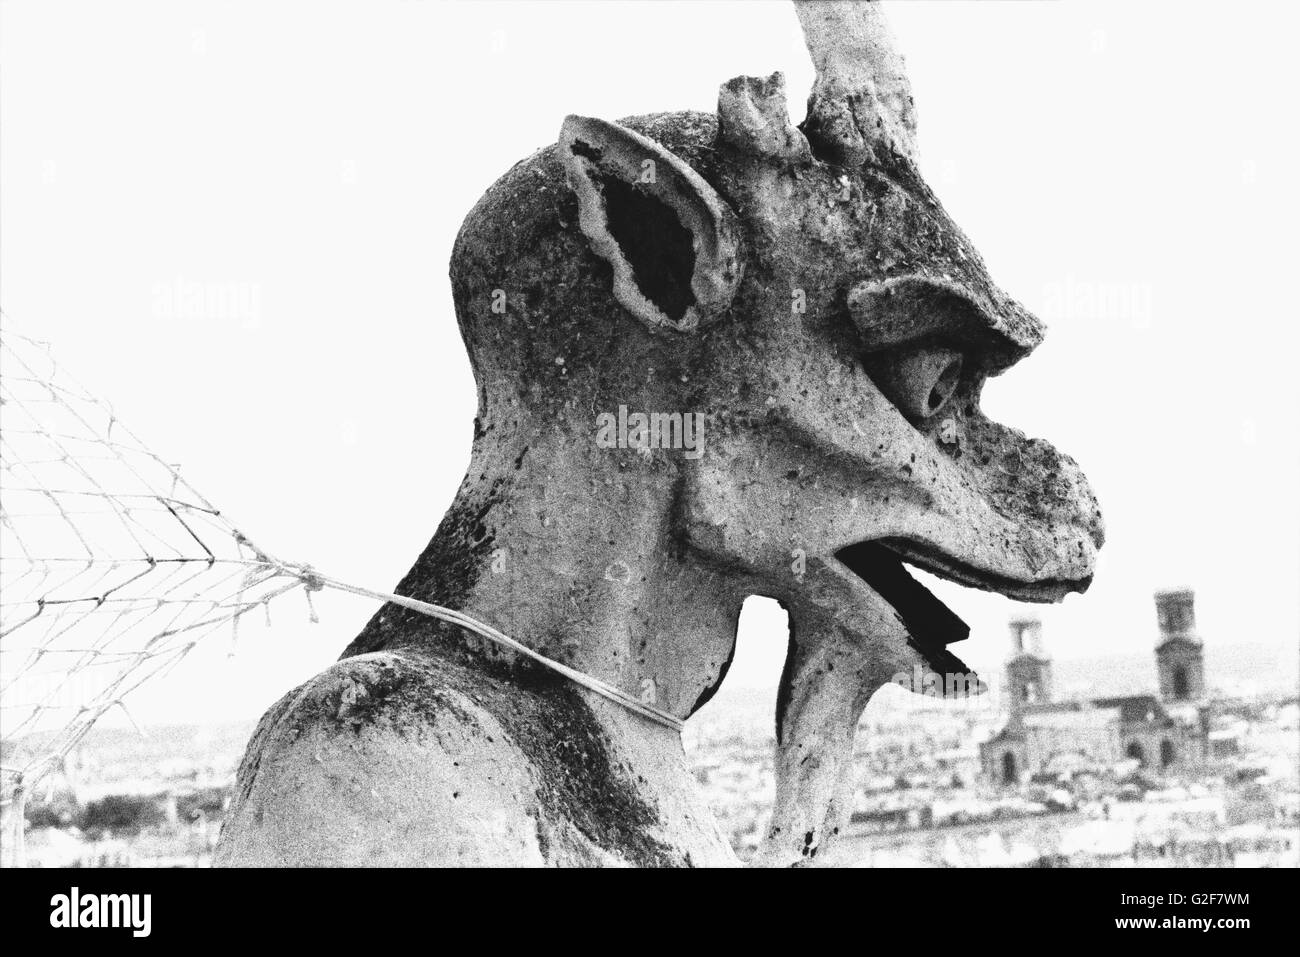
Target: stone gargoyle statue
x,y
717,356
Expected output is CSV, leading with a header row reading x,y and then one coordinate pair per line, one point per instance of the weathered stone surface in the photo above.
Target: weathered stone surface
x,y
861,105
843,330
399,759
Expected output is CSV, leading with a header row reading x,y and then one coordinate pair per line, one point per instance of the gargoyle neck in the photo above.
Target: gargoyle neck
x,y
578,557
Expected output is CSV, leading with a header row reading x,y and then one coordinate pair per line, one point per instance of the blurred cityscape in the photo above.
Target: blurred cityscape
x,y
1187,760
1170,767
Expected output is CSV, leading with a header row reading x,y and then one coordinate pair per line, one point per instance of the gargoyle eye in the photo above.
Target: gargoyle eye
x,y
918,379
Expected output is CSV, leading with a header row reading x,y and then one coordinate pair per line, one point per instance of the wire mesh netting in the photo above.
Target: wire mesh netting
x,y
112,567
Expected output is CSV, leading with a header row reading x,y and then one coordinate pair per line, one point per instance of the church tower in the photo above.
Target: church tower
x,y
1179,659
1029,672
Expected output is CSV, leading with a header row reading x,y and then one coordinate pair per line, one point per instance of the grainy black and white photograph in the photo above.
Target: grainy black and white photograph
x,y
534,433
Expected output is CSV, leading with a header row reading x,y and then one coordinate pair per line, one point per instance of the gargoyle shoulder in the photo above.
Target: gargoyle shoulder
x,y
377,761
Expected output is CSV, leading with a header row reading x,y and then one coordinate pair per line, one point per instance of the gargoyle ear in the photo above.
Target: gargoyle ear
x,y
674,244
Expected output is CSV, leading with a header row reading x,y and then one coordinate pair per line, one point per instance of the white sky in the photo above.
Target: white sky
x,y
1127,170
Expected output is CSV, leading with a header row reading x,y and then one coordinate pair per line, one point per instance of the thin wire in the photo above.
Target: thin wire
x,y
590,682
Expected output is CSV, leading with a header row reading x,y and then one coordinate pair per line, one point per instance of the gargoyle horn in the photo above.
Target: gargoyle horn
x,y
860,107
861,103
752,118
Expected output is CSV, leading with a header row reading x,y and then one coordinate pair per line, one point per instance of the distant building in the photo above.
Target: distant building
x,y
1179,660
1164,733
1029,671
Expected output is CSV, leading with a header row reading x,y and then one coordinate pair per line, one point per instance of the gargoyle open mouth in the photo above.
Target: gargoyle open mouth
x,y
932,625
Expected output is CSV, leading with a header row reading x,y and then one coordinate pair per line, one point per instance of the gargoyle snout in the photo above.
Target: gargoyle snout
x,y
1034,484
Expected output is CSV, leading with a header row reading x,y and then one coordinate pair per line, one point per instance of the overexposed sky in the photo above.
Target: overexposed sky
x,y
1127,170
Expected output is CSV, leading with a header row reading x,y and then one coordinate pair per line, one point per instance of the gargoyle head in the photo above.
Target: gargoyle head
x,y
803,290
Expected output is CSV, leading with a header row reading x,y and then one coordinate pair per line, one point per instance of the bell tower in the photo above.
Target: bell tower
x,y
1179,659
1029,671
